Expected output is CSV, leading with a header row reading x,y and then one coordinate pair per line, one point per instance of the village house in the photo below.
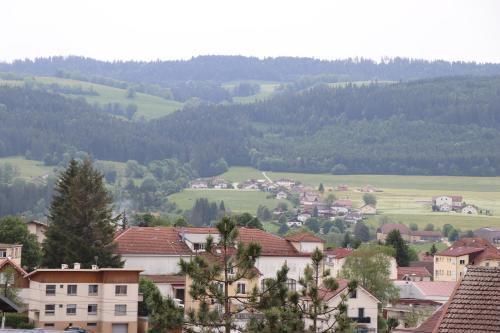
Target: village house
x,y
303,217
294,223
353,217
450,264
369,189
406,308
362,307
469,209
12,252
411,236
447,203
98,299
199,184
438,291
219,183
288,183
414,274
281,195
19,282
158,251
346,203
38,229
368,210
342,187
491,234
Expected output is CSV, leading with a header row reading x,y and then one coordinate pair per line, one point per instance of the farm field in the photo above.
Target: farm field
x,y
267,88
148,106
238,201
425,247
27,168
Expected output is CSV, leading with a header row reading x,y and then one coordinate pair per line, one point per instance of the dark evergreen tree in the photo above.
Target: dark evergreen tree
x,y
362,232
433,250
81,227
402,254
321,188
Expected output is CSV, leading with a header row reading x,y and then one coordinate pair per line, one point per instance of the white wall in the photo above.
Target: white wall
x,y
444,200
268,266
154,265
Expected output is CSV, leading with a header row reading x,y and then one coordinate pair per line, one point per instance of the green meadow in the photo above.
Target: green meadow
x,y
148,106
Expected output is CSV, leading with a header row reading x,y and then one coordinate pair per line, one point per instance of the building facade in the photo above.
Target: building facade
x,y
99,299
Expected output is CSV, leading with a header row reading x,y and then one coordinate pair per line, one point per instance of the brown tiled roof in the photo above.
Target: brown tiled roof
x,y
427,233
430,324
475,304
339,253
168,241
459,251
343,203
388,227
151,240
417,271
429,265
171,279
304,236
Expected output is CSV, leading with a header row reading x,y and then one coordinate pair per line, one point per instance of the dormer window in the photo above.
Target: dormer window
x,y
199,246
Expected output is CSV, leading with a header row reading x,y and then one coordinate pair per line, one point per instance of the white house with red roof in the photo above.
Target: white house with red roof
x,y
158,250
362,307
335,259
438,291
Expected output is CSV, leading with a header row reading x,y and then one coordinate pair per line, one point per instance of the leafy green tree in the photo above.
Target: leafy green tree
x,y
400,247
211,278
315,212
282,206
164,315
282,220
453,235
180,222
339,224
14,231
361,231
283,229
369,199
8,288
446,229
370,265
312,224
249,221
429,227
330,199
82,226
327,225
413,226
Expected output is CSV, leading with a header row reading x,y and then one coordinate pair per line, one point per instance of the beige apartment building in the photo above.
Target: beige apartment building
x,y
12,252
450,264
98,299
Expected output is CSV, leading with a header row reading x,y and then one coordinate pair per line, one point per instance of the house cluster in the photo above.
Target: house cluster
x,y
410,236
215,183
452,203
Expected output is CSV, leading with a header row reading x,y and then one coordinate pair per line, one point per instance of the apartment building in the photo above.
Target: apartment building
x,y
450,264
12,252
98,299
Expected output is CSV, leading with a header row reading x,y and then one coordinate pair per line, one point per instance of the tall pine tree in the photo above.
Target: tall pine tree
x,y
81,227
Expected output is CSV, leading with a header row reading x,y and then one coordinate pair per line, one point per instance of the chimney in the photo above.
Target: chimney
x,y
64,266
76,265
94,267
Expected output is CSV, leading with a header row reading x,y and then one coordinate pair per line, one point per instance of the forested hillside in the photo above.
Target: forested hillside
x,y
434,126
228,68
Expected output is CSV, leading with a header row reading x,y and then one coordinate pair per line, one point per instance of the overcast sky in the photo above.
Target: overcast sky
x,y
180,29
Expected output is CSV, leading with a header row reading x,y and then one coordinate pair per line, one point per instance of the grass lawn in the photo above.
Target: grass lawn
x,y
148,106
425,247
238,201
27,168
267,89
464,222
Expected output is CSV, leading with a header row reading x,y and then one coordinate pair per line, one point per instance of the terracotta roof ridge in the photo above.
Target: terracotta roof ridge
x,y
122,233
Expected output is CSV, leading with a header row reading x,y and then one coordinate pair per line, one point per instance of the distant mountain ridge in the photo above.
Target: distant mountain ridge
x,y
230,68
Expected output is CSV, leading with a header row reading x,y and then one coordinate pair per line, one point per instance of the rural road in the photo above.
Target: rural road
x,y
265,176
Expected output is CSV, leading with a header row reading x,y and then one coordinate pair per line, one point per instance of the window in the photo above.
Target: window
x,y
361,312
71,309
93,289
50,290
199,246
291,284
353,294
3,253
120,290
92,309
487,264
462,261
48,324
72,289
120,309
50,309
91,324
241,288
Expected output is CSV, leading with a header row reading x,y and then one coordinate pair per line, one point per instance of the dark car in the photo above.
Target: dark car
x,y
77,329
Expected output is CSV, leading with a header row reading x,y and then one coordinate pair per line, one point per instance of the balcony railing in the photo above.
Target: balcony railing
x,y
361,320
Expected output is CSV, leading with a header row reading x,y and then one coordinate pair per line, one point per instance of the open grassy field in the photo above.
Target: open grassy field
x,y
27,168
238,201
267,89
425,247
148,106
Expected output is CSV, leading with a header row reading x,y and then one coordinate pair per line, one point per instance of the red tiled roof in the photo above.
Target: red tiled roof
x,y
475,304
339,253
425,233
168,241
388,227
304,236
171,279
327,295
436,288
343,203
151,240
4,262
416,271
459,251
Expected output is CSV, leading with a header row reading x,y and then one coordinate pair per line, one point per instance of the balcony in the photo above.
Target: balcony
x,y
361,320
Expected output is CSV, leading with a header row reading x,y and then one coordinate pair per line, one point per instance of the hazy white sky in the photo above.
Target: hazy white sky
x,y
174,29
